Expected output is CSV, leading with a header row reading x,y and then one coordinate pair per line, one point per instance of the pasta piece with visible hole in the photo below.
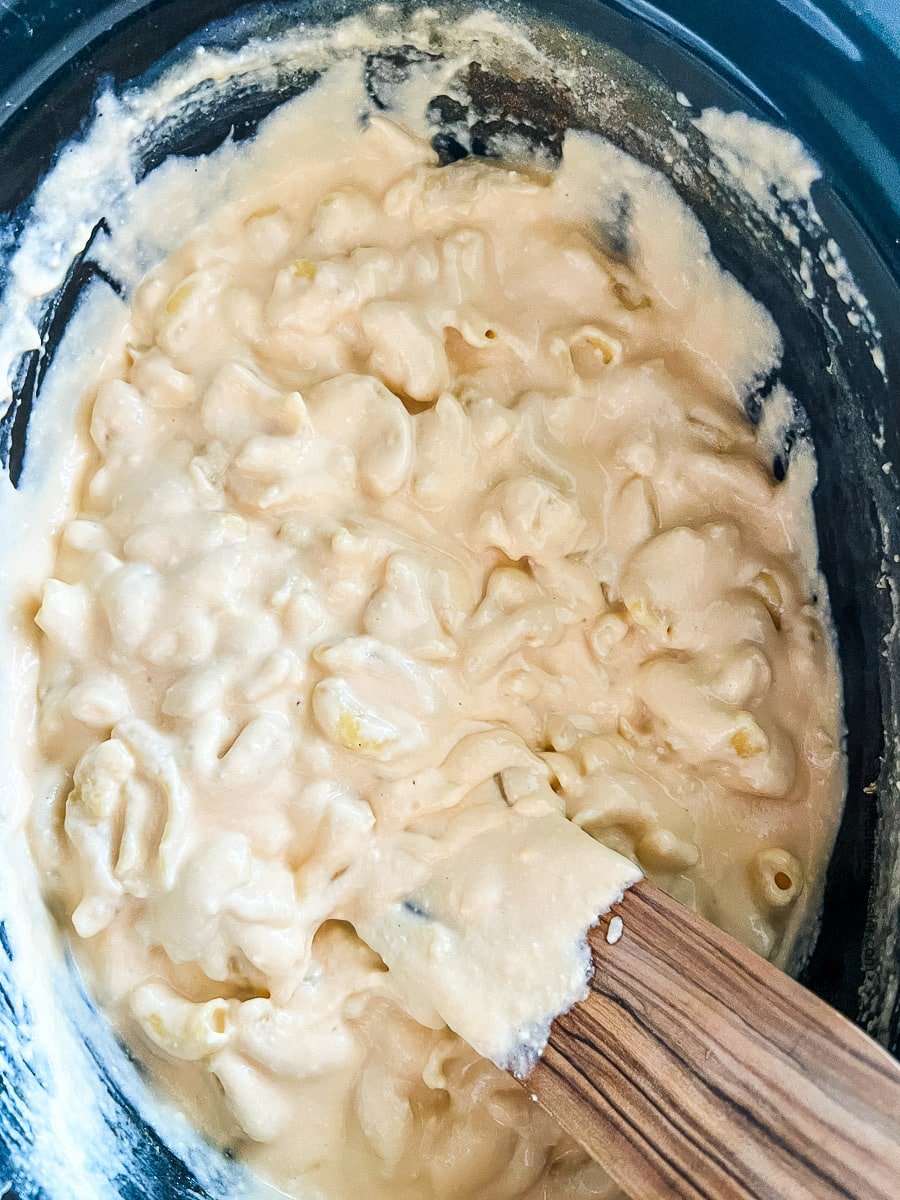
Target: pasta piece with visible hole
x,y
587,351
180,1027
777,877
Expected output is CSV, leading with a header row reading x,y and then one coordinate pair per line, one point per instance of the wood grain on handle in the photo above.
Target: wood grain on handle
x,y
695,1069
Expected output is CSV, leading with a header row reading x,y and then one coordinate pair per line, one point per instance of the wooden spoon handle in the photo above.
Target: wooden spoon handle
x,y
696,1069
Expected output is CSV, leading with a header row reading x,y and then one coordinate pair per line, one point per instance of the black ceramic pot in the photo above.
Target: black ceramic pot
x,y
828,70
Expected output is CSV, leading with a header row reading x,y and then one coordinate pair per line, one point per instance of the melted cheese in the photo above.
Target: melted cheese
x,y
413,528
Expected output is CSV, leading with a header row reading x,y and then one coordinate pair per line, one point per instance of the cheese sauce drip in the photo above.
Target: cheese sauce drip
x,y
404,508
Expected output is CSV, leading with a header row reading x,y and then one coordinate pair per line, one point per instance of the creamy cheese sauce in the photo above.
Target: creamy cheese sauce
x,y
406,524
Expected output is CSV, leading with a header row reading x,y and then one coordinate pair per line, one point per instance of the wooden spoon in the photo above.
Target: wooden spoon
x,y
692,1069
695,1069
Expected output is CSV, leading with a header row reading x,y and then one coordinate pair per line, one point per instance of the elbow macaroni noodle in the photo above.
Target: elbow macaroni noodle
x,y
403,499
